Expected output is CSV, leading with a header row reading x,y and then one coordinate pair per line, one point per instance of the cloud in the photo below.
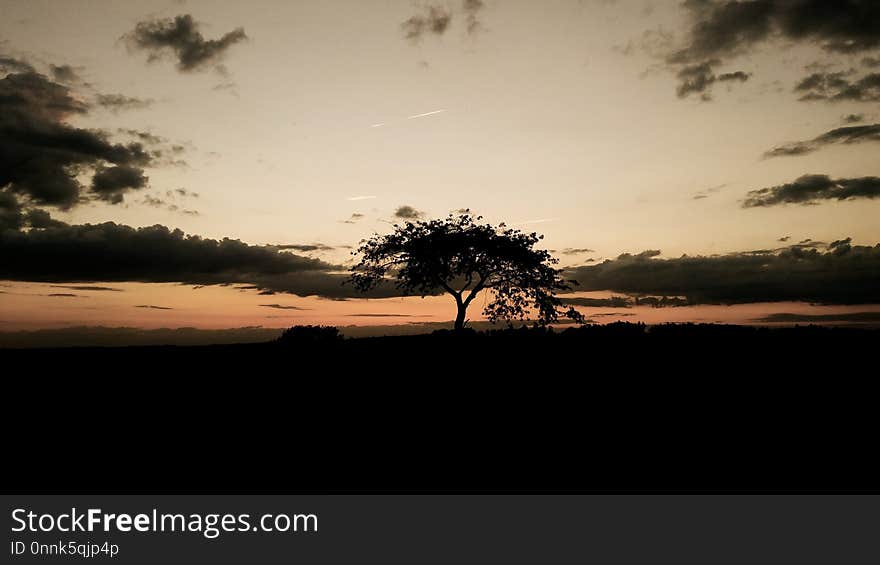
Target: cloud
x,y
180,36
118,102
406,212
89,288
357,198
845,274
11,216
433,19
720,30
111,252
576,250
835,87
705,193
282,307
62,295
152,307
37,218
472,9
14,216
846,135
848,317
12,65
305,247
43,157
854,118
354,218
64,73
810,189
182,192
111,183
736,75
613,302
696,79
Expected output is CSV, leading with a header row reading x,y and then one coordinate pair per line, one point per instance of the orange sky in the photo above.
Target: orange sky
x,y
28,306
558,116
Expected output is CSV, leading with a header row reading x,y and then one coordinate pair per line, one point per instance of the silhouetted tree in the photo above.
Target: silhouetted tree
x,y
462,257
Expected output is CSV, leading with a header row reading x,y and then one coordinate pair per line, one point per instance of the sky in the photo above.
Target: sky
x,y
724,152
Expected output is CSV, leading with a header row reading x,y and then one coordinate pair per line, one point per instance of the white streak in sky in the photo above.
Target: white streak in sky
x,y
354,198
380,124
425,114
538,221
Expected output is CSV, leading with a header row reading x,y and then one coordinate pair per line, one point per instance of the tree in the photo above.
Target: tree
x,y
462,257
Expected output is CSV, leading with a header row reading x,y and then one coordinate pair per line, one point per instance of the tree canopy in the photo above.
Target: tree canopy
x,y
463,257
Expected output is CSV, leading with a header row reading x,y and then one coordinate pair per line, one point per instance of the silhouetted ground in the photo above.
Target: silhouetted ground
x,y
620,406
692,349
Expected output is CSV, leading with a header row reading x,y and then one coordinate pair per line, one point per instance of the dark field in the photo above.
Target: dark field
x,y
606,407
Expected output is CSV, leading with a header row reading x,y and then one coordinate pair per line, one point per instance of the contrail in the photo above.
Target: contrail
x,y
353,198
380,124
538,221
425,114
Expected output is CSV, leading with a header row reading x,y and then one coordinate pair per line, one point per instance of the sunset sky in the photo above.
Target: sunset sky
x,y
743,135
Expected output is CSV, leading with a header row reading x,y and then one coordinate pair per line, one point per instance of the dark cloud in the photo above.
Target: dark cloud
x,y
433,19
305,247
720,30
736,75
854,118
41,155
11,216
11,65
784,238
847,135
282,307
116,253
89,288
871,62
472,10
15,216
699,78
39,219
354,218
847,274
153,201
111,183
810,189
64,73
144,137
152,307
180,36
696,79
836,87
406,212
576,250
846,317
117,102
613,302
62,295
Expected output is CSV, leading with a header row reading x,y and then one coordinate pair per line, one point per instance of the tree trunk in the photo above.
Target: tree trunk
x,y
459,319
